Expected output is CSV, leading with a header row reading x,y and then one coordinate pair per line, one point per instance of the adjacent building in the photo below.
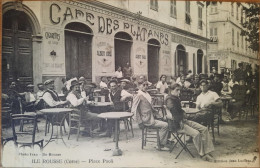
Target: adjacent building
x,y
227,47
57,39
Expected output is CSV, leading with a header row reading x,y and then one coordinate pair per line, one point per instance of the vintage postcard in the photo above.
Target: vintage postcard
x,y
129,83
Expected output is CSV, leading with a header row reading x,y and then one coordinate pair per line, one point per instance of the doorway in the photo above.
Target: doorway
x,y
153,60
17,56
182,61
78,55
123,44
199,61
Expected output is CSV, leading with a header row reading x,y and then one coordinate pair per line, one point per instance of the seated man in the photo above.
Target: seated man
x,y
40,91
103,83
50,96
29,99
239,94
178,122
76,100
144,112
205,101
117,95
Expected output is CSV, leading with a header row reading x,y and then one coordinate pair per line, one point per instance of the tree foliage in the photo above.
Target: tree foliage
x,y
251,26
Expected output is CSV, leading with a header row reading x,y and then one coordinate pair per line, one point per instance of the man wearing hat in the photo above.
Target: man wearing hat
x,y
76,100
50,96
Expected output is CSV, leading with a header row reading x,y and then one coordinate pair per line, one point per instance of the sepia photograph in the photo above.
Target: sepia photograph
x,y
129,83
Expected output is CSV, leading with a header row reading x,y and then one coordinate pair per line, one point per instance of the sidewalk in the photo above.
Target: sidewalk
x,y
236,147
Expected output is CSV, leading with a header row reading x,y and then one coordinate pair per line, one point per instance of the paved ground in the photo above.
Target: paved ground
x,y
237,146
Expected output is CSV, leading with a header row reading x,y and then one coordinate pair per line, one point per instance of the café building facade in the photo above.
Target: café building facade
x,y
56,39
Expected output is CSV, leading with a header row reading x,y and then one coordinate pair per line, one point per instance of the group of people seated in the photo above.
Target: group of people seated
x,y
206,93
176,119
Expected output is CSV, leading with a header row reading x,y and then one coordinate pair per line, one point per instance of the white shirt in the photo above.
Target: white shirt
x,y
146,95
74,100
50,101
119,74
186,84
205,98
102,85
39,94
161,86
123,95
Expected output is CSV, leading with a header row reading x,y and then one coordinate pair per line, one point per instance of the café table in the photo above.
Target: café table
x,y
100,107
191,111
52,114
226,99
116,116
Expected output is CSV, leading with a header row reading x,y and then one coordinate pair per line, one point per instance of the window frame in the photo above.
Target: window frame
x,y
173,9
154,5
233,36
200,15
187,13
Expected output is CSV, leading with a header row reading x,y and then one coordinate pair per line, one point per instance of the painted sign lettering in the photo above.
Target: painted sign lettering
x,y
105,24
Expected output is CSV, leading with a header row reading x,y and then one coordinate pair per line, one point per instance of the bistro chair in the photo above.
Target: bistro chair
x,y
214,120
251,104
126,107
26,136
178,136
158,102
150,134
76,121
186,95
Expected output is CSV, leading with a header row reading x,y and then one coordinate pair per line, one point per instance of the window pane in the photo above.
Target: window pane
x,y
215,31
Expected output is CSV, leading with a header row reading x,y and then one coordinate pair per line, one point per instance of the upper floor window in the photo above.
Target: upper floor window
x,y
214,7
187,12
173,9
200,17
233,37
232,8
213,34
242,15
154,4
238,39
242,42
237,12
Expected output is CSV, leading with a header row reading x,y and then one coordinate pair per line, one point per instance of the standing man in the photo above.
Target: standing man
x,y
127,71
145,113
239,73
50,96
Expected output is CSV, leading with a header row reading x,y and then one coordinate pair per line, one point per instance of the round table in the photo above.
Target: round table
x,y
51,114
191,110
100,104
226,99
116,116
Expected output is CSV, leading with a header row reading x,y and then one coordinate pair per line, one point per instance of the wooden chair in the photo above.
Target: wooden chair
x,y
178,136
150,134
76,121
251,104
26,136
158,102
186,95
214,120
